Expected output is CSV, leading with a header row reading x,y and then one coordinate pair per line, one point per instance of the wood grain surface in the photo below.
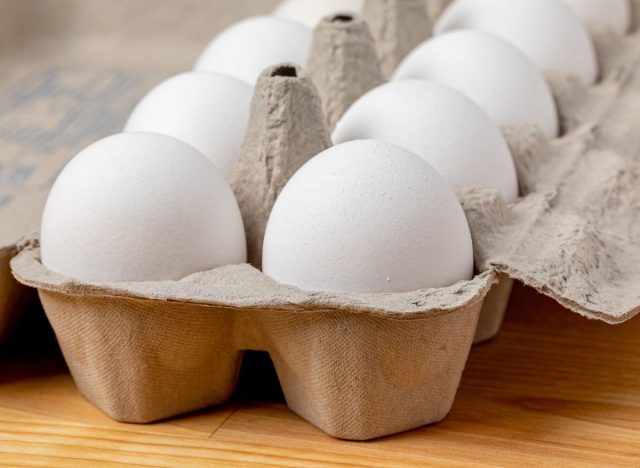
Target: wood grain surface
x,y
553,389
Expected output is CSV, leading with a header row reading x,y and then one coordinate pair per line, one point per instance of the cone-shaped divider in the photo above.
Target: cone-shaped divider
x,y
635,15
286,129
397,26
343,63
435,8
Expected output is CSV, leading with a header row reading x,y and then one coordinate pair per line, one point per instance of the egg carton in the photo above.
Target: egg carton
x,y
360,366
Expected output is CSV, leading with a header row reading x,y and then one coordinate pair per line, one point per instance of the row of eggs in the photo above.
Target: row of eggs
x,y
613,15
365,216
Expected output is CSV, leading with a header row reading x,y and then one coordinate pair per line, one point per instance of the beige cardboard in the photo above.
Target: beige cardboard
x,y
436,7
397,26
343,64
493,309
358,366
286,129
572,237
576,242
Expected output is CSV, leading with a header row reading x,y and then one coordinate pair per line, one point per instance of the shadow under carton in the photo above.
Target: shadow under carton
x,y
13,295
494,309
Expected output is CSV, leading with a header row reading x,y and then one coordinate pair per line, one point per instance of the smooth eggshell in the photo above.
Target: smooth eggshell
x,y
492,72
603,15
210,111
310,12
366,216
438,123
140,207
247,48
547,31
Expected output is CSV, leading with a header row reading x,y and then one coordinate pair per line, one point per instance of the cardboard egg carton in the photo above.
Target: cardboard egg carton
x,y
360,366
348,363
356,366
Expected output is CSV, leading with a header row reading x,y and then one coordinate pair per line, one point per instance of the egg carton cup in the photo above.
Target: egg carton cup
x,y
358,366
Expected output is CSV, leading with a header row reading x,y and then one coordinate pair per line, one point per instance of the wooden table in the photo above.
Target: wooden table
x,y
553,389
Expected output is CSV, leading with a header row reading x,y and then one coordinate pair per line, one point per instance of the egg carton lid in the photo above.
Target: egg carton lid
x,y
574,235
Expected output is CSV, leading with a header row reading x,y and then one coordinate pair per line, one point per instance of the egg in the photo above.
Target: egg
x,y
210,111
310,12
140,207
441,125
489,70
603,15
367,217
248,47
547,31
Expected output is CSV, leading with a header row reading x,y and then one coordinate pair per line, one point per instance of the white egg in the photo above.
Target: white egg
x,y
439,124
547,31
140,207
489,70
611,15
310,12
367,217
247,48
210,111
